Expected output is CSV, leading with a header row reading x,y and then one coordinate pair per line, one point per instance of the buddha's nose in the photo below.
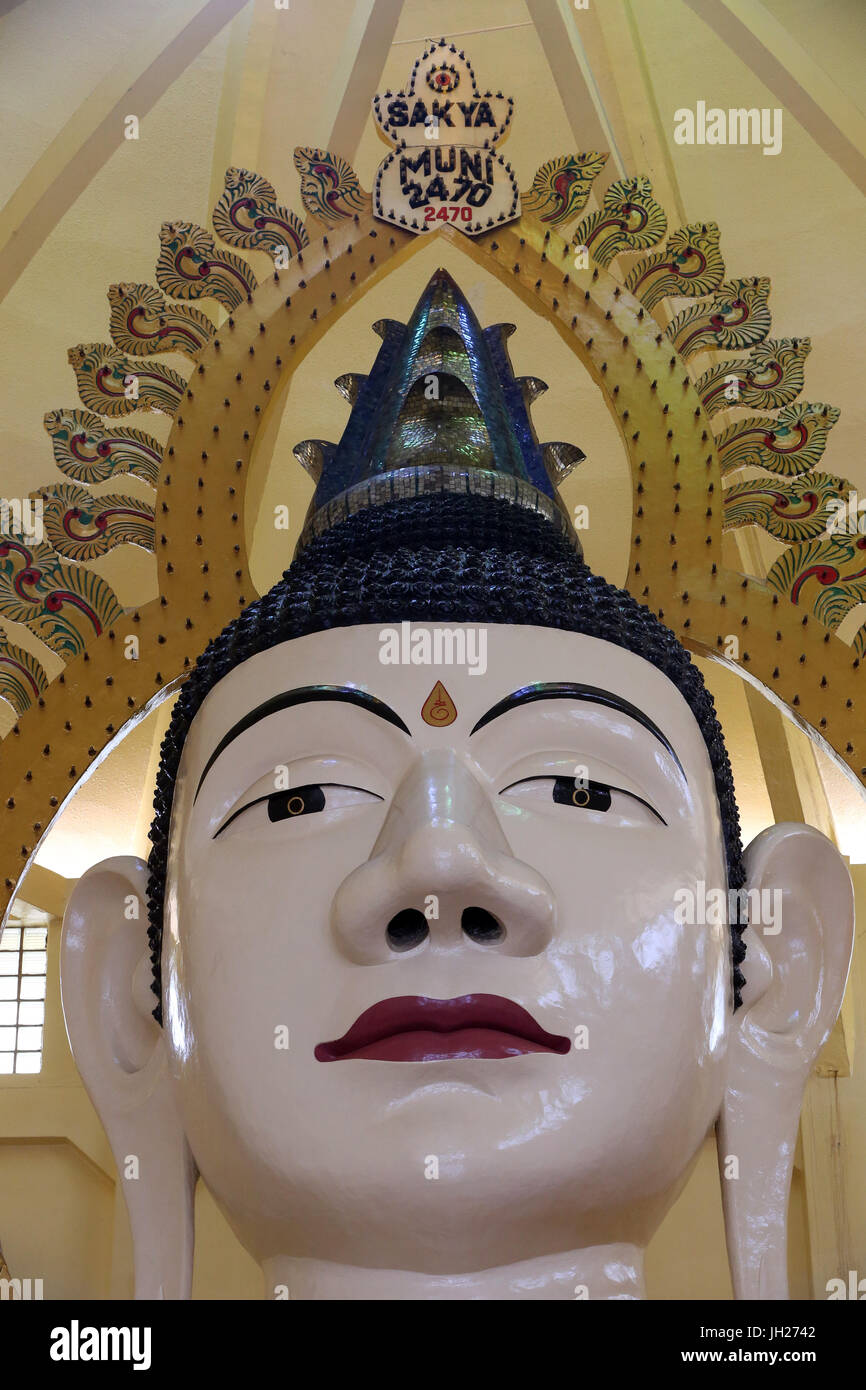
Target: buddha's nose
x,y
441,874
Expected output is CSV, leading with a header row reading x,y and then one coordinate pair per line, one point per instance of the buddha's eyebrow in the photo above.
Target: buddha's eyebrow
x,y
303,695
590,694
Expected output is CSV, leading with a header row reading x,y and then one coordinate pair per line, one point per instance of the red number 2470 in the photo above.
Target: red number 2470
x,y
432,214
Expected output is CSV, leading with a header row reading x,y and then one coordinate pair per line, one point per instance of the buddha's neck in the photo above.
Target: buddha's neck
x,y
603,1271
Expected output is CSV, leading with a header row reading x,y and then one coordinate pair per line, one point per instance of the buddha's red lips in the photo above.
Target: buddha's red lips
x,y
412,1028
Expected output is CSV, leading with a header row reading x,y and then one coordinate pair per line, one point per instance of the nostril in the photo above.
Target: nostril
x,y
409,928
481,926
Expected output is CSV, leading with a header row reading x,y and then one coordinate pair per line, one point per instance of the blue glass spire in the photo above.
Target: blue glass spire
x,y
440,411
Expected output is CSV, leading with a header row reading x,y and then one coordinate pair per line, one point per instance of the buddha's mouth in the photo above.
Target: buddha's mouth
x,y
412,1028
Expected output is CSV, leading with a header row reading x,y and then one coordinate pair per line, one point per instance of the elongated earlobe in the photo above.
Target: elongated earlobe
x,y
800,940
120,1052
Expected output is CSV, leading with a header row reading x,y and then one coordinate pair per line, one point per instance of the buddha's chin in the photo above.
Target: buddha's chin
x,y
448,1236
441,1210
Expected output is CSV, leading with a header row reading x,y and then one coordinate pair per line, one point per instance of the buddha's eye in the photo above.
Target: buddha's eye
x,y
582,795
586,796
300,801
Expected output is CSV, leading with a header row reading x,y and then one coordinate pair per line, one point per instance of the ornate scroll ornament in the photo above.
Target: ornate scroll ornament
x,y
825,577
701,460
772,375
561,187
789,511
64,606
22,681
629,219
116,386
788,444
84,448
738,317
191,267
143,323
330,190
445,167
691,264
249,215
83,527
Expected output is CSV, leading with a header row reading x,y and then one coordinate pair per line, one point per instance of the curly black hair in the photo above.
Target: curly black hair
x,y
456,558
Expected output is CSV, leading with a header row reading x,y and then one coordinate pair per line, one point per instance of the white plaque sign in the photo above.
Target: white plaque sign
x,y
445,167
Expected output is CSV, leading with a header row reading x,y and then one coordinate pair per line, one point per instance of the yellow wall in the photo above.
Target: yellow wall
x,y
56,1178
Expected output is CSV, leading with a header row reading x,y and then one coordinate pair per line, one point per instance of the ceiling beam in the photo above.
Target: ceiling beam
x,y
96,130
590,103
361,61
792,75
44,889
627,62
237,134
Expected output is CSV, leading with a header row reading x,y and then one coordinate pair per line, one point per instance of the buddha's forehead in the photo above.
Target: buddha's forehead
x,y
478,666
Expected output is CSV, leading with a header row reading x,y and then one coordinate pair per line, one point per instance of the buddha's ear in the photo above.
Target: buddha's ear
x,y
120,1051
799,945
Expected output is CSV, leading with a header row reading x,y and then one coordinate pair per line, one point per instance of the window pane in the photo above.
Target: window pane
x,y
23,966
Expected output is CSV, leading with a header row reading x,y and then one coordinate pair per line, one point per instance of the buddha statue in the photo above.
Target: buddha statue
x,y
446,1004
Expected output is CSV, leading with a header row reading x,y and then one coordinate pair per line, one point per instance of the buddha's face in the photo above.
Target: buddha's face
x,y
429,1000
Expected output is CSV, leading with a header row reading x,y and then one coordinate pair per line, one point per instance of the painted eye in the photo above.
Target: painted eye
x,y
583,795
302,801
587,796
